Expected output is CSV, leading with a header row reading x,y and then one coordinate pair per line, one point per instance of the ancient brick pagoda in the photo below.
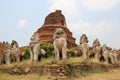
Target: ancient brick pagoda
x,y
52,21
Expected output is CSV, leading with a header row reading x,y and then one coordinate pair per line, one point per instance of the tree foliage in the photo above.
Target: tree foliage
x,y
26,54
48,47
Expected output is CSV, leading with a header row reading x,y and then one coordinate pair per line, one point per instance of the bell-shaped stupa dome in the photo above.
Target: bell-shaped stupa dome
x,y
52,21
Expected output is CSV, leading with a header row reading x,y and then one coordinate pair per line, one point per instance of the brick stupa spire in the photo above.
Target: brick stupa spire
x,y
52,21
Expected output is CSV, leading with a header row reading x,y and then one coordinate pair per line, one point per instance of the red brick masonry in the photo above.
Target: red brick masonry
x,y
52,21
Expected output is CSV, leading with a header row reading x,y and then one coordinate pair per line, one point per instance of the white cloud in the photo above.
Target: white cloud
x,y
69,7
100,27
115,41
22,22
99,4
101,30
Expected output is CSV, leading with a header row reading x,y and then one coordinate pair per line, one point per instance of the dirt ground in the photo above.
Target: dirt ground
x,y
113,74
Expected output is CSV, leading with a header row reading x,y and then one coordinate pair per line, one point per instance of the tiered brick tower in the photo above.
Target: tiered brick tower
x,y
52,21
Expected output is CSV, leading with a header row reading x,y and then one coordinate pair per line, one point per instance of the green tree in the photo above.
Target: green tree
x,y
48,47
26,53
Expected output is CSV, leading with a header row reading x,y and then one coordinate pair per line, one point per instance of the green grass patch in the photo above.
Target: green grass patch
x,y
84,73
97,71
71,72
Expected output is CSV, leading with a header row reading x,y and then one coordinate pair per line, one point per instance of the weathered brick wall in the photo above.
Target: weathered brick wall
x,y
55,18
58,69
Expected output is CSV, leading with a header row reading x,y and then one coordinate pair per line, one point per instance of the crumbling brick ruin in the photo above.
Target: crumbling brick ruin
x,y
52,21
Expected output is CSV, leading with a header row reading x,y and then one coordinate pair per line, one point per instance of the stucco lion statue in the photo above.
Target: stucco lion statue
x,y
12,53
84,46
109,55
60,44
96,49
35,49
113,56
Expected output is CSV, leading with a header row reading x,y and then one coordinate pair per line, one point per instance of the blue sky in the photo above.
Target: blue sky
x,y
19,19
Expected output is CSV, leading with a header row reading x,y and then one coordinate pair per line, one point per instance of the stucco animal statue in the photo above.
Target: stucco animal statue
x,y
113,56
105,52
12,53
96,49
60,44
6,54
84,47
15,51
35,49
109,55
